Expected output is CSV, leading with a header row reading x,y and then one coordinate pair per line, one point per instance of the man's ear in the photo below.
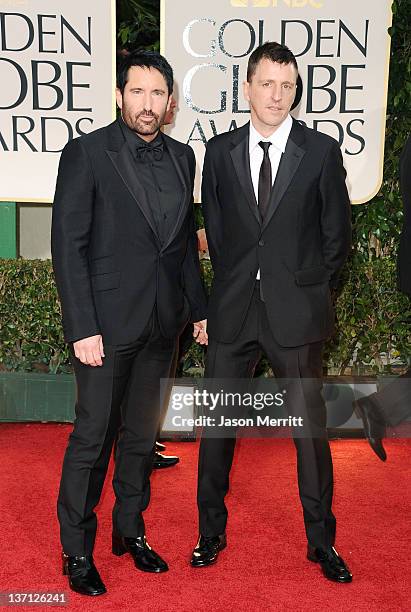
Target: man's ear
x,y
298,93
246,88
169,101
119,98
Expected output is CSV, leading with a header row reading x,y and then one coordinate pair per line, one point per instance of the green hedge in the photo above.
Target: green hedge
x,y
373,320
31,336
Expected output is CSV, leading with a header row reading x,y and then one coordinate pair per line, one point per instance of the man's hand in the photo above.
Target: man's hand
x,y
200,332
90,351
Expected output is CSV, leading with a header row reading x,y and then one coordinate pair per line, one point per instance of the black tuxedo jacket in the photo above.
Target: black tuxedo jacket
x,y
299,248
109,264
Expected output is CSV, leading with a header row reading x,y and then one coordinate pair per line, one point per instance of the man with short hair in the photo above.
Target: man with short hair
x,y
277,218
127,271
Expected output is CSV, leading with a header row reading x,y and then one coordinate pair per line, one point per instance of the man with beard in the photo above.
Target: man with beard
x,y
126,265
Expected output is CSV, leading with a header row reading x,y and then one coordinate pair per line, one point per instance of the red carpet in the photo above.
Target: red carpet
x,y
264,566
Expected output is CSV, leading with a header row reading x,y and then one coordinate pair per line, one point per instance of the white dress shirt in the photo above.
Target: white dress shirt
x,y
278,143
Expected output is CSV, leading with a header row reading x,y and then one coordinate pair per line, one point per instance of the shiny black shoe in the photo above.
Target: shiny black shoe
x,y
145,558
164,461
83,575
160,448
332,565
207,550
374,429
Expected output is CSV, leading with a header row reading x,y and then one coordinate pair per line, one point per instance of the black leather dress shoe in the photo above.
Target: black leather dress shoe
x,y
374,429
83,575
332,565
207,550
145,558
160,448
164,461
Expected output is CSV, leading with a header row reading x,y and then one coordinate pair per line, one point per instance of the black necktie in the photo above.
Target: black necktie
x,y
150,152
264,180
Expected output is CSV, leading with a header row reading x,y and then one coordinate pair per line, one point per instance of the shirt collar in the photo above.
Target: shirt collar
x,y
134,140
278,138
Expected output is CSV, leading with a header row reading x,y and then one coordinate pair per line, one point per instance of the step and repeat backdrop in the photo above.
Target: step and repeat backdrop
x,y
57,75
342,49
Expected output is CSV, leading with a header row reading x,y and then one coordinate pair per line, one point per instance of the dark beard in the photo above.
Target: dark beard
x,y
140,128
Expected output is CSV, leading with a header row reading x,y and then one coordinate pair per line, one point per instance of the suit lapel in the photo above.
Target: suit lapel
x,y
241,159
120,155
289,163
180,162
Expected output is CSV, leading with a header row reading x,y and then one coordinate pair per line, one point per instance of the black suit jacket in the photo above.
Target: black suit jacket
x,y
404,252
299,248
109,264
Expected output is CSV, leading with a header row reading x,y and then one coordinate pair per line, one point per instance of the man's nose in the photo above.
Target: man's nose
x,y
276,92
147,102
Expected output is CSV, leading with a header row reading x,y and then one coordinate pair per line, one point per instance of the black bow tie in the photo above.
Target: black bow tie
x,y
148,151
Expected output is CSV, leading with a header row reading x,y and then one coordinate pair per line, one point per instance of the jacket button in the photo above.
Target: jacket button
x,y
261,243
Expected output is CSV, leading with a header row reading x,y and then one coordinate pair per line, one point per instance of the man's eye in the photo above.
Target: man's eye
x,y
267,84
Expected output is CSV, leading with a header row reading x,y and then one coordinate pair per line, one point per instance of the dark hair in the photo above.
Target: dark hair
x,y
272,51
145,59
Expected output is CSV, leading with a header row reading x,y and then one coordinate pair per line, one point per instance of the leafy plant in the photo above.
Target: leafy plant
x,y
377,224
31,336
373,321
138,24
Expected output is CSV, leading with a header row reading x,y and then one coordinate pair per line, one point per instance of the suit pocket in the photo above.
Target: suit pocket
x,y
312,276
104,282
103,265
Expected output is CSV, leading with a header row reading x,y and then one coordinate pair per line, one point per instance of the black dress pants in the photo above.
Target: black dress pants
x,y
302,366
120,398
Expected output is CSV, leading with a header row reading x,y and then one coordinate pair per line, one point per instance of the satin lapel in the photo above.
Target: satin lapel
x,y
241,159
126,168
290,160
181,165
